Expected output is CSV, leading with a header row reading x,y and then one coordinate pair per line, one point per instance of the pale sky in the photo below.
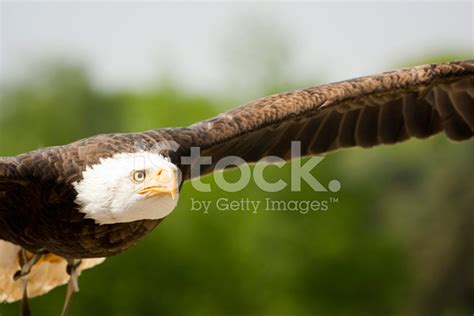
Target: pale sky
x,y
127,44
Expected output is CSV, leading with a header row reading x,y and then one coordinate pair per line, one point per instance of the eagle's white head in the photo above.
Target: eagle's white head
x,y
128,187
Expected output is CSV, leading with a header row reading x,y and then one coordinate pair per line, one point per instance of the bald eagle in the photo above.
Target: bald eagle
x,y
64,208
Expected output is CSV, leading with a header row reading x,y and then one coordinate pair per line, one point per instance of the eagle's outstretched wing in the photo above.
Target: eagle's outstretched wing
x,y
36,188
37,208
380,109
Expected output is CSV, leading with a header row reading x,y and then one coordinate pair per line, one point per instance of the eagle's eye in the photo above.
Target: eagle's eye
x,y
139,176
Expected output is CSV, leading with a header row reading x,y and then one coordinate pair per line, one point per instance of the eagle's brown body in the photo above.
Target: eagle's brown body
x,y
37,209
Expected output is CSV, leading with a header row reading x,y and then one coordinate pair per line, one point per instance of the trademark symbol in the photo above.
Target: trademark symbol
x,y
333,200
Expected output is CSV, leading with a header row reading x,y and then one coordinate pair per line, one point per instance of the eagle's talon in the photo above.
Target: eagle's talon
x,y
25,268
25,264
72,285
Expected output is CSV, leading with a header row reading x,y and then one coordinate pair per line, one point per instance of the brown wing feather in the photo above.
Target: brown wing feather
x,y
368,111
37,208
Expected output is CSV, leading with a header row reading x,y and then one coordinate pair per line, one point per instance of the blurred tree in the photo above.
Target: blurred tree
x,y
257,59
56,105
434,218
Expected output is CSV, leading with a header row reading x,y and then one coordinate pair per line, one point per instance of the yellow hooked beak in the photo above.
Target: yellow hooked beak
x,y
162,182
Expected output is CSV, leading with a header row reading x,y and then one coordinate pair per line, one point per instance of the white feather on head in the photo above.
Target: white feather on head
x,y
108,195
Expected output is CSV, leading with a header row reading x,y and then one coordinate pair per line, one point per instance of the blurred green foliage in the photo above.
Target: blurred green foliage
x,y
397,242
